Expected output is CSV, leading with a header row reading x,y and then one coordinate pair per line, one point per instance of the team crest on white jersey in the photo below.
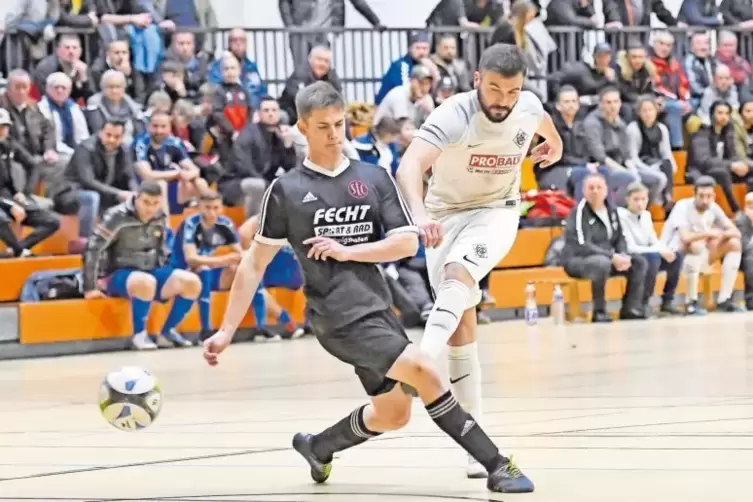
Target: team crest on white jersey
x,y
493,164
520,138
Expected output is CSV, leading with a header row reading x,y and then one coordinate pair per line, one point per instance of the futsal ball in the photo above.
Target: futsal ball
x,y
130,398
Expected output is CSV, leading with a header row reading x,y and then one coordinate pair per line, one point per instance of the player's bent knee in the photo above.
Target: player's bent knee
x,y
456,271
141,285
734,244
189,283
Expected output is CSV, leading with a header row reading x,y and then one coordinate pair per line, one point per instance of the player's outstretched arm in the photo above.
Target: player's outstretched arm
x,y
417,159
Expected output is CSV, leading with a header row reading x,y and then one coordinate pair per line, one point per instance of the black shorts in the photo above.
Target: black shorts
x,y
371,345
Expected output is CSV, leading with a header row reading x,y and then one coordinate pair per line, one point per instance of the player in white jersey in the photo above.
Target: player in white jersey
x,y
474,144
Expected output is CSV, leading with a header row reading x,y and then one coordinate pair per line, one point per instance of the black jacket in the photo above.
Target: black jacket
x,y
736,11
586,234
574,151
570,13
300,78
135,83
616,10
50,65
9,153
88,170
702,154
586,80
300,12
745,226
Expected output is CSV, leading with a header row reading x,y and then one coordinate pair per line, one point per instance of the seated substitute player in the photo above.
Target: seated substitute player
x,y
196,240
162,157
333,211
474,143
129,247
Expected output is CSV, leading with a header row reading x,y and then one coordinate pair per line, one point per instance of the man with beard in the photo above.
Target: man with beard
x,y
412,100
474,143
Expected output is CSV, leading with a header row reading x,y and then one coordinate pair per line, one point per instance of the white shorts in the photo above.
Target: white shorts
x,y
477,239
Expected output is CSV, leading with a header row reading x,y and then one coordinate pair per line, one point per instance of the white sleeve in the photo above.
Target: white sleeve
x,y
447,124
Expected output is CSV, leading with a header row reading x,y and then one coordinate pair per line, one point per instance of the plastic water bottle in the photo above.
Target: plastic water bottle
x,y
558,305
531,309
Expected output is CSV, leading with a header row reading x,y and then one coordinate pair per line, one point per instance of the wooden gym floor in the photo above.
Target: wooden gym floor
x,y
652,411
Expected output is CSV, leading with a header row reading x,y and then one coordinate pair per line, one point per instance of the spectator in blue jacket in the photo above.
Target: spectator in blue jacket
x,y
250,76
399,71
379,145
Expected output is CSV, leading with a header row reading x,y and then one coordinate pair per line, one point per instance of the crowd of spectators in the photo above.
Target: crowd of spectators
x,y
160,103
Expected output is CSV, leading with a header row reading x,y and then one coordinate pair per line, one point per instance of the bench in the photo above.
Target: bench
x,y
56,244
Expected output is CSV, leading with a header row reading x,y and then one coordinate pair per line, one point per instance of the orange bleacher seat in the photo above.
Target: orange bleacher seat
x,y
80,320
236,213
681,159
15,271
57,243
527,178
529,247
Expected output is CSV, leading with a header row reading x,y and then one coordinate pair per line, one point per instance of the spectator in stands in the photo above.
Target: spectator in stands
x,y
450,65
33,133
744,132
16,204
444,89
117,15
78,14
700,66
607,144
722,89
319,67
744,223
185,127
726,53
172,80
263,151
413,100
67,60
129,249
589,79
672,85
231,109
636,76
175,15
595,249
407,130
399,71
249,73
699,229
161,157
314,14
195,66
69,121
466,13
636,13
580,13
379,145
34,23
712,153
114,103
641,238
159,101
700,13
101,171
118,57
650,150
196,240
737,13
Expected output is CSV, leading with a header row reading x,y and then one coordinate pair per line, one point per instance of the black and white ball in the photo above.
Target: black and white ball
x,y
130,398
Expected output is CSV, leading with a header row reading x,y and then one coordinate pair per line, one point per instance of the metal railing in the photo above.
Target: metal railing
x,y
362,55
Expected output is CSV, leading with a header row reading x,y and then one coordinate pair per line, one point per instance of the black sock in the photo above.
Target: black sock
x,y
347,433
461,426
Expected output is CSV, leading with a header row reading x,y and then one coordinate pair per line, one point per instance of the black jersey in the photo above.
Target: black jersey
x,y
354,204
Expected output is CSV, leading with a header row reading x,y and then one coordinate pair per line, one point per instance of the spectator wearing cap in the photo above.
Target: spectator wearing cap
x,y
449,65
722,89
672,85
700,66
379,145
58,107
16,202
443,90
250,77
636,76
589,79
412,100
399,71
319,14
317,68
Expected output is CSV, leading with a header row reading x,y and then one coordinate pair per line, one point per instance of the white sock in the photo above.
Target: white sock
x,y
730,266
465,378
692,267
452,296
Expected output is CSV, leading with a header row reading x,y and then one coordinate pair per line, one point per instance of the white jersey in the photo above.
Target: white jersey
x,y
480,161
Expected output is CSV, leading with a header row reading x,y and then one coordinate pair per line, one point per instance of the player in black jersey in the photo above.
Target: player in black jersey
x,y
333,212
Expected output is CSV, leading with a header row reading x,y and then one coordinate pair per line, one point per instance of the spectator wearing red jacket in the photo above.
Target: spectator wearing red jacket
x,y
726,53
672,85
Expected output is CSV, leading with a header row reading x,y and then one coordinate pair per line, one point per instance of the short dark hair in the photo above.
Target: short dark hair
x,y
266,98
387,125
170,66
608,90
114,121
564,89
317,96
150,187
704,182
504,59
210,196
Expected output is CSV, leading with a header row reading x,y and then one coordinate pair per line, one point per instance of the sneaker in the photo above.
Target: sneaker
x,y
487,300
141,341
474,470
297,333
668,309
483,318
263,335
320,471
174,338
729,306
692,308
507,478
